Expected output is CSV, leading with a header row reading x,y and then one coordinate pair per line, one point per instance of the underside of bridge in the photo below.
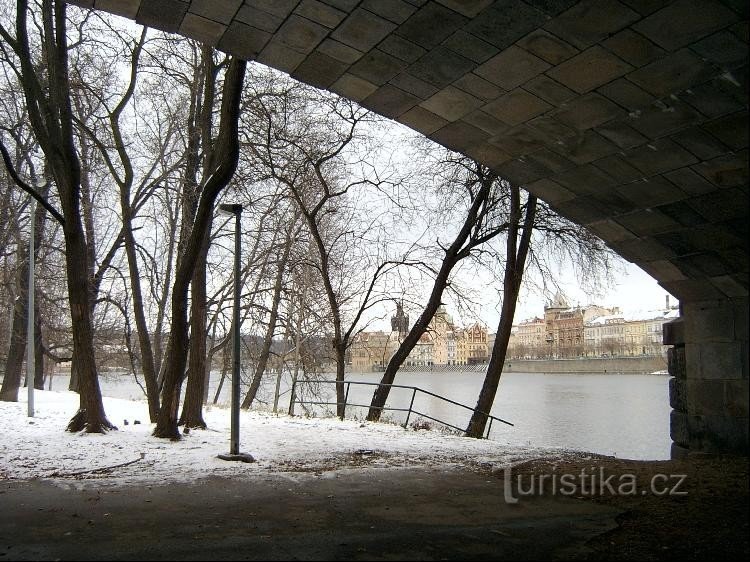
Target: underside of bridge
x,y
629,117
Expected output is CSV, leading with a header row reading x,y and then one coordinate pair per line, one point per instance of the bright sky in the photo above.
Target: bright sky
x,y
39,447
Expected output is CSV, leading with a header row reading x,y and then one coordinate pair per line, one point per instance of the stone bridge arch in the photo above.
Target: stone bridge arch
x,y
629,117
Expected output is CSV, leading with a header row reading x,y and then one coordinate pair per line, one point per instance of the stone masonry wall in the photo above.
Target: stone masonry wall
x,y
709,389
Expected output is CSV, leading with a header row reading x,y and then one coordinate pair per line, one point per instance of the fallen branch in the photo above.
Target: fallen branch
x,y
95,470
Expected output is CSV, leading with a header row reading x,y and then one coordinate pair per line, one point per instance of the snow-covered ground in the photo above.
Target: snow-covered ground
x,y
39,446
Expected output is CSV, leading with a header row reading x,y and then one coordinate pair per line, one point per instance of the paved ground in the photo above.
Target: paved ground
x,y
372,514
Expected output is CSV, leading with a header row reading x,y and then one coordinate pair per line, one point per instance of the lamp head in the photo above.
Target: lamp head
x,y
230,209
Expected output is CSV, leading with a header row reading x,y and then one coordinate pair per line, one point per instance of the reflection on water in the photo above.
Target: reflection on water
x,y
622,415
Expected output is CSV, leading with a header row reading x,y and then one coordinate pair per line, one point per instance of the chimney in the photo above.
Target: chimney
x,y
667,297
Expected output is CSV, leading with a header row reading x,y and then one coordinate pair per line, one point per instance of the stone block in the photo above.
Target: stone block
x,y
728,171
469,46
221,11
678,452
679,428
486,122
647,222
584,148
721,205
673,73
718,434
377,67
641,250
676,353
339,51
521,172
678,394
551,129
459,136
585,179
618,168
547,47
430,25
519,141
705,397
517,107
550,91
736,396
478,87
353,87
552,161
487,154
441,66
401,48
662,119
590,69
258,19
723,48
718,360
125,8
362,30
663,270
732,130
679,210
279,8
633,47
658,192
686,289
731,285
710,321
396,11
422,120
699,143
611,231
390,101
550,191
505,22
243,40
166,15
511,68
280,57
321,13
583,210
591,21
202,29
627,94
684,22
689,181
451,103
589,111
621,134
468,8
714,99
319,70
300,34
659,156
414,85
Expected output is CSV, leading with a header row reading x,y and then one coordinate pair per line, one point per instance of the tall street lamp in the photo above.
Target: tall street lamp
x,y
234,439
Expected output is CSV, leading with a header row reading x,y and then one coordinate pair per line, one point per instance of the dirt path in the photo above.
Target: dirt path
x,y
381,514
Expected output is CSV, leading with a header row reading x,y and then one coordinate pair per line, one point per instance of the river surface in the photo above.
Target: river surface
x,y
626,416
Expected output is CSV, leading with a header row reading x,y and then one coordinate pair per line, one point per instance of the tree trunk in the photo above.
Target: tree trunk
x,y
192,408
515,261
271,328
222,172
453,254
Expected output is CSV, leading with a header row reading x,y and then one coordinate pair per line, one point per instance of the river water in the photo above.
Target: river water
x,y
626,416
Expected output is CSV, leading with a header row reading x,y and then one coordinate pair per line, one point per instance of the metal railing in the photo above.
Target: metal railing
x,y
409,411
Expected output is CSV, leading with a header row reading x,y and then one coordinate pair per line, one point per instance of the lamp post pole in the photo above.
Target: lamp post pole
x,y
234,439
30,342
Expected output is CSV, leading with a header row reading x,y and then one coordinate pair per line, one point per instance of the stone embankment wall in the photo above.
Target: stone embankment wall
x,y
610,365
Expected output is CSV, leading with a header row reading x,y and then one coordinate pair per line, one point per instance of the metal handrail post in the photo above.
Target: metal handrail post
x,y
346,399
411,405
